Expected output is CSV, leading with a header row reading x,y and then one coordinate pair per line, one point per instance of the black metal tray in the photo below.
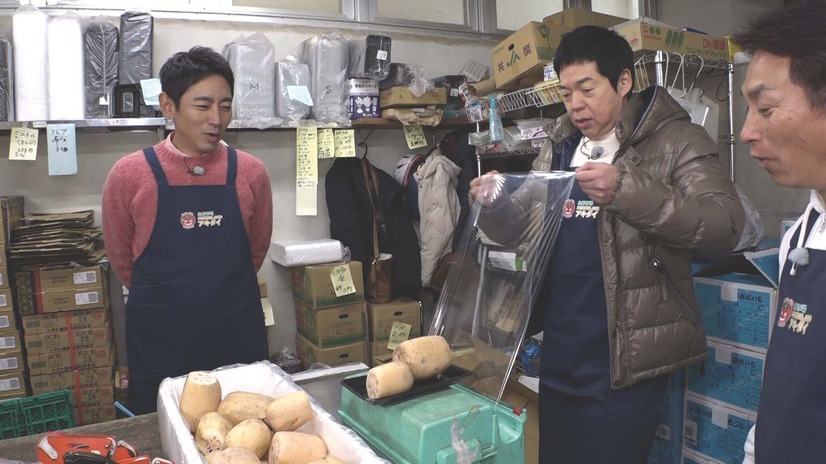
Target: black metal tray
x,y
358,385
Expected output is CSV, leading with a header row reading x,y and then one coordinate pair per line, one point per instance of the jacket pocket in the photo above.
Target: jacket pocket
x,y
672,287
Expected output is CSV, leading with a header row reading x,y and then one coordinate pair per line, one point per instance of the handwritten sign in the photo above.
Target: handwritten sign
x,y
345,143
326,144
23,144
306,171
342,280
398,333
62,149
414,135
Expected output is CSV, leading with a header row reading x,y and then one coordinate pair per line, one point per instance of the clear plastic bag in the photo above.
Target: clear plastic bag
x,y
252,60
485,305
369,57
753,230
327,57
135,57
292,86
100,55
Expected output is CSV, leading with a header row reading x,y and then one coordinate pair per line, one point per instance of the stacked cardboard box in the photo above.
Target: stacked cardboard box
x,y
12,376
330,313
667,444
69,339
382,316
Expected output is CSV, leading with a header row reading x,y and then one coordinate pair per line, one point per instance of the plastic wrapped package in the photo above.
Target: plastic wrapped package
x,y
326,55
29,26
65,52
369,57
6,80
264,378
398,74
485,304
305,252
100,58
292,85
252,60
135,57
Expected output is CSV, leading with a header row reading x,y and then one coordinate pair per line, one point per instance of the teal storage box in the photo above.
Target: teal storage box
x,y
694,458
715,430
671,414
664,452
424,429
729,374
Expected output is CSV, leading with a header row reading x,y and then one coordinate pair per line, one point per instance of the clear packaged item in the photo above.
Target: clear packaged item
x,y
486,301
398,74
100,60
306,252
495,120
6,80
327,57
369,57
252,60
65,78
29,26
292,89
135,57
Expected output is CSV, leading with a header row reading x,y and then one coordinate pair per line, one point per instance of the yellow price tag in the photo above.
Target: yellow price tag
x,y
326,144
23,144
345,143
342,280
398,334
414,134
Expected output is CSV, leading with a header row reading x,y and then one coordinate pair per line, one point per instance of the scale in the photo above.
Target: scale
x,y
483,314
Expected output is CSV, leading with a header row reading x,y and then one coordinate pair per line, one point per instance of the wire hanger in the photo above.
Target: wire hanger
x,y
363,144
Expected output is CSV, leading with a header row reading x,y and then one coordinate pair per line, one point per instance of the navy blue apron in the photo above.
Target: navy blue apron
x,y
582,419
194,302
791,418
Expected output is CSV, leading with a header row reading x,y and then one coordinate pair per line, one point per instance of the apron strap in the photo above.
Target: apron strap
x,y
152,159
232,165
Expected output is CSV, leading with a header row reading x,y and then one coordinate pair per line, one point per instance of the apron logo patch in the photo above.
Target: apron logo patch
x,y
795,315
187,220
568,209
209,219
587,209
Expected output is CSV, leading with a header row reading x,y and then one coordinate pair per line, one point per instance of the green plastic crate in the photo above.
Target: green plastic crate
x,y
9,419
47,412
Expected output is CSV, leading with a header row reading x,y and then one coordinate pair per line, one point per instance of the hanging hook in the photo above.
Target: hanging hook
x,y
363,143
680,74
699,70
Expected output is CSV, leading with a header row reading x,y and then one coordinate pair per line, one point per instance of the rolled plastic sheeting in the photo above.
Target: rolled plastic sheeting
x,y
253,61
29,26
135,57
100,43
327,57
369,57
6,81
291,75
65,52
306,252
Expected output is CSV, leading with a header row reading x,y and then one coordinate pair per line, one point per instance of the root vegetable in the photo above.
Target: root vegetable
x,y
252,434
211,433
201,394
289,412
327,460
240,406
296,448
389,379
233,456
427,356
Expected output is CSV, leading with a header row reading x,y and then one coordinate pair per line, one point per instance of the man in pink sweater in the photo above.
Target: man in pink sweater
x,y
187,224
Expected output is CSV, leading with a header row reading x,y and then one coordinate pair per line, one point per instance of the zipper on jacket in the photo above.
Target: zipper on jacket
x,y
660,267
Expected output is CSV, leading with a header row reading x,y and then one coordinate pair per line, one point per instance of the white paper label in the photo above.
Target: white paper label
x,y
454,92
722,354
8,363
300,94
4,322
690,432
7,342
85,277
9,384
3,301
86,298
381,55
728,291
719,417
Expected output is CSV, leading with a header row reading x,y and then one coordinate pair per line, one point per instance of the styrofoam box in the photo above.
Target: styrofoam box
x,y
715,430
690,457
306,252
729,374
737,308
265,378
670,428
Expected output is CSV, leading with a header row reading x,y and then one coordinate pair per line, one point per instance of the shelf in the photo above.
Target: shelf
x,y
107,124
508,154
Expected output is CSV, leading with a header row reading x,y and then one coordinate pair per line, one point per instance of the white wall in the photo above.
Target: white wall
x,y
98,152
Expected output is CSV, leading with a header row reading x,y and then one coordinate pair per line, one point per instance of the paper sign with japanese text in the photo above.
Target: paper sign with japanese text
x,y
342,280
345,143
23,144
62,149
414,135
398,333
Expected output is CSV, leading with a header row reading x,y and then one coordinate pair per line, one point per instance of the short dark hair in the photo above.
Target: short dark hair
x,y
795,32
606,48
185,69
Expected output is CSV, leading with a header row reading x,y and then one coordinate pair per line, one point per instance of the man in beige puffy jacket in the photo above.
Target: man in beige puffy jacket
x,y
617,298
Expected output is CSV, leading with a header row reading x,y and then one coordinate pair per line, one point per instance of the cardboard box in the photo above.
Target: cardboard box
x,y
313,285
670,427
664,452
11,361
12,384
519,59
7,319
571,18
72,380
378,360
92,297
6,302
380,350
9,341
94,415
340,325
729,374
58,279
11,216
310,354
4,277
69,340
690,457
738,298
646,36
399,96
383,315
3,256
92,397
70,360
65,321
714,429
